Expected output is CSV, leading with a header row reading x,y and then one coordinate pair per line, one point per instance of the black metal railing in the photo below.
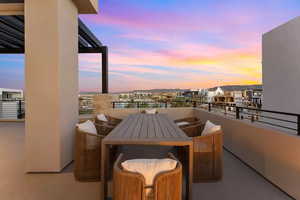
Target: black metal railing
x,y
157,104
284,120
12,109
15,109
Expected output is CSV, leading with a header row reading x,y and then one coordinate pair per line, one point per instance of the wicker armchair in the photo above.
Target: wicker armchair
x,y
193,130
191,120
104,129
131,186
208,154
112,121
87,158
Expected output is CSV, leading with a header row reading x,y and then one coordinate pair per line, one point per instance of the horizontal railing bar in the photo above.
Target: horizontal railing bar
x,y
276,125
269,111
269,123
283,120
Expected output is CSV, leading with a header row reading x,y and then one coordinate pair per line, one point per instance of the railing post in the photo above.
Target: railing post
x,y
252,118
166,104
298,125
194,104
19,109
209,107
138,104
237,112
114,104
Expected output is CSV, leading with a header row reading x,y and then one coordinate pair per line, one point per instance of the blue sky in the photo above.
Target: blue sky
x,y
173,43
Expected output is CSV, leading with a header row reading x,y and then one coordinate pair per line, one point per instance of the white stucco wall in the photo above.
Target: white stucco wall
x,y
281,67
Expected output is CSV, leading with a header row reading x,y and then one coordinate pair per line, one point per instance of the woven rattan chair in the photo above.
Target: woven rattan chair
x,y
191,120
112,121
131,186
104,128
87,158
208,154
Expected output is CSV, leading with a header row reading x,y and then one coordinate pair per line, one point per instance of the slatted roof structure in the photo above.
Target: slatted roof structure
x,y
12,41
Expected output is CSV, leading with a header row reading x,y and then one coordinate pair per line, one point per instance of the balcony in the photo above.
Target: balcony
x,y
240,181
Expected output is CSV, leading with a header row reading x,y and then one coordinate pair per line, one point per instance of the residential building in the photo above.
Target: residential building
x,y
280,60
211,93
11,94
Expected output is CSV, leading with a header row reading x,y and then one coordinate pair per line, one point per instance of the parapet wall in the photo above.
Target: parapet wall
x,y
274,154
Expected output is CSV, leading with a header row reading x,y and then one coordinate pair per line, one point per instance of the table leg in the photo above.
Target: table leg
x,y
104,167
190,174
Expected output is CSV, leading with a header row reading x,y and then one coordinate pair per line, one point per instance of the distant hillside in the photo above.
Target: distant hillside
x,y
225,88
238,87
161,90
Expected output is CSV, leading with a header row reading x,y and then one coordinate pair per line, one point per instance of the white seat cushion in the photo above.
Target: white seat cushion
x,y
210,128
149,168
182,123
150,111
90,128
102,117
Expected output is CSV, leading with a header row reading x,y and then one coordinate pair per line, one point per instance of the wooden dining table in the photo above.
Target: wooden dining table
x,y
146,129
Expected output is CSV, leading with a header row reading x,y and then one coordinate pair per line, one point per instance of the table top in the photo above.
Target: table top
x,y
147,129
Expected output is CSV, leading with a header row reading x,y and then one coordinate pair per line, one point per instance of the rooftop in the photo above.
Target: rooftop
x,y
239,182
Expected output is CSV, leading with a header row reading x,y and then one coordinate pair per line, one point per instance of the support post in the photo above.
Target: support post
x,y
209,107
194,104
105,70
298,125
51,82
19,109
237,112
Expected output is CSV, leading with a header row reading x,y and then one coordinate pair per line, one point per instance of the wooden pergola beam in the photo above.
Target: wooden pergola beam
x,y
12,42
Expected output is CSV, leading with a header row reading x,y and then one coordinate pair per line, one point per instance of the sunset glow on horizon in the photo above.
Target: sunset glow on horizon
x,y
173,44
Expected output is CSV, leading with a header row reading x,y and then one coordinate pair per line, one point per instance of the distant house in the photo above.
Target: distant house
x,y
212,93
191,93
10,107
10,94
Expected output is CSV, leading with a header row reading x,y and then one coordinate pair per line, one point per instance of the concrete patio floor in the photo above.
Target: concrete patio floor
x,y
239,182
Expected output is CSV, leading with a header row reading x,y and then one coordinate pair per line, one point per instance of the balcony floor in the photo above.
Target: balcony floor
x,y
239,181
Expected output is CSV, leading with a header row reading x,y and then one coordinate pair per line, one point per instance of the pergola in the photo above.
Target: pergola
x,y
12,41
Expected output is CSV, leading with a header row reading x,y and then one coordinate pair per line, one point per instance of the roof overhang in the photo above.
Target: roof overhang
x,y
16,7
11,8
87,6
12,37
12,41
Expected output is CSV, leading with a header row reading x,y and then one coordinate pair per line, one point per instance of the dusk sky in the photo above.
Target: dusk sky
x,y
173,43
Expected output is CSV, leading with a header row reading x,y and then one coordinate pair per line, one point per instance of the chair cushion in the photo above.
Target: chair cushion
x,y
89,127
102,117
149,168
182,123
210,128
150,111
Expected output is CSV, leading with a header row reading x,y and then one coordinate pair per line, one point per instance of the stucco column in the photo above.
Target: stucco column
x,y
51,83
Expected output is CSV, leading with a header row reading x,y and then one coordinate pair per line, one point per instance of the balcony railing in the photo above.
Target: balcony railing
x,y
282,120
146,104
12,109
